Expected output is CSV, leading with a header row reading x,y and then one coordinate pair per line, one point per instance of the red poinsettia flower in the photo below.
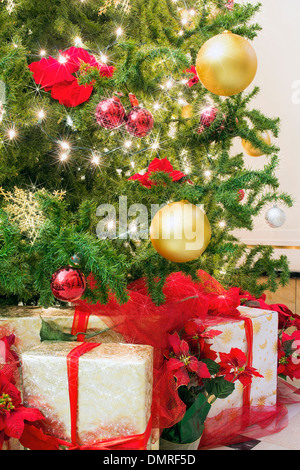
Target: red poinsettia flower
x,y
197,335
184,362
195,79
225,303
155,166
56,75
13,414
9,360
289,355
234,367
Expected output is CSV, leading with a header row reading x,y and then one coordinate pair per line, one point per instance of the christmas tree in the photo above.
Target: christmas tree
x,y
103,112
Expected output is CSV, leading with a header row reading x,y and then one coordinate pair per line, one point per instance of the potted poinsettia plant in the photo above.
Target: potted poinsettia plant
x,y
202,377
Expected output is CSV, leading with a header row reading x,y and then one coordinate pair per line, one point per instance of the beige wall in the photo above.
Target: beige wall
x,y
278,51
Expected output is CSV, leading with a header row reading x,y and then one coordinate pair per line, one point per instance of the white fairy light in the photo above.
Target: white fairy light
x,y
182,102
65,145
132,164
156,106
62,59
103,58
169,84
64,156
95,160
110,224
43,52
12,133
78,41
155,145
127,144
119,31
181,32
207,173
41,114
222,224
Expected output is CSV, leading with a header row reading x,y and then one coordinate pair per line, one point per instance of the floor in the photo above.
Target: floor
x,y
287,439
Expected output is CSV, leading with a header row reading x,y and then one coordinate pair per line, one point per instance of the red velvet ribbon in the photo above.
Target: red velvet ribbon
x,y
133,442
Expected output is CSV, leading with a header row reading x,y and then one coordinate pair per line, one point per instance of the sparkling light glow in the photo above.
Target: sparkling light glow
x,y
63,156
12,133
65,145
62,59
43,52
41,114
95,160
78,41
119,31
207,173
222,224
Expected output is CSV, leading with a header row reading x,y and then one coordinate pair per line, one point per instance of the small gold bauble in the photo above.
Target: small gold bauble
x,y
180,232
226,64
187,111
255,152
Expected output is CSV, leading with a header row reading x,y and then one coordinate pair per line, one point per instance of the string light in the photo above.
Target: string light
x,y
41,114
62,59
63,156
103,58
119,31
207,173
156,106
43,52
12,133
78,42
127,144
222,224
64,145
95,160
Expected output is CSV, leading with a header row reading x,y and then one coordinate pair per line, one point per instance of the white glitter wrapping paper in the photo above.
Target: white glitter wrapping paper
x,y
25,323
114,389
265,338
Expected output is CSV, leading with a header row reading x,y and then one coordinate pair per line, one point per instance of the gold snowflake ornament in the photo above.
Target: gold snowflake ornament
x,y
24,210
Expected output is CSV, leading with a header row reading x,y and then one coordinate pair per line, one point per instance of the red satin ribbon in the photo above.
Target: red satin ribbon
x,y
249,338
133,442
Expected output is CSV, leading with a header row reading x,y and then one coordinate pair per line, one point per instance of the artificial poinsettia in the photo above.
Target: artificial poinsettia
x,y
13,415
289,355
181,362
197,334
155,166
233,366
195,79
57,75
9,360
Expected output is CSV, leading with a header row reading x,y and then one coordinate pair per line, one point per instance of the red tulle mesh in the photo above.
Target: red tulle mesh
x,y
140,321
238,425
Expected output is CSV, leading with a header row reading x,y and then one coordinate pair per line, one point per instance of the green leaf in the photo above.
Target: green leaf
x,y
219,387
212,366
50,332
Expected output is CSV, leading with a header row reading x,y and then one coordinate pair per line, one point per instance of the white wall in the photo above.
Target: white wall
x,y
278,76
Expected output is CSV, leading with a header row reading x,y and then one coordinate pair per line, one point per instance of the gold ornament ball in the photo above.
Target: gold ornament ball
x,y
180,232
255,152
226,64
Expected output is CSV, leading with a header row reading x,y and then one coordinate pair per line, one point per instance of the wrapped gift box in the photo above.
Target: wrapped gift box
x,y
25,323
265,338
114,389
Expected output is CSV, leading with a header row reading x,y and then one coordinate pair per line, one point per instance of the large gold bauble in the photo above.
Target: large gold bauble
x,y
255,152
180,232
226,64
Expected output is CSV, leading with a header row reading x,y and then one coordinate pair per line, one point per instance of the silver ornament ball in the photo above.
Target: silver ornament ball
x,y
275,217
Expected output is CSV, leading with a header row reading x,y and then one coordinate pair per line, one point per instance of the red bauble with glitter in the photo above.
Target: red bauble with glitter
x,y
208,116
110,113
68,284
139,121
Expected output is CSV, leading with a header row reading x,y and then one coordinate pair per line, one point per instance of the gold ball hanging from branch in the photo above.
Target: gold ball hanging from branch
x,y
253,151
226,64
180,232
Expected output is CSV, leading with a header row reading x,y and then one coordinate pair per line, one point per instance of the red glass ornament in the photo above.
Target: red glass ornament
x,y
110,113
208,115
68,284
139,121
241,194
